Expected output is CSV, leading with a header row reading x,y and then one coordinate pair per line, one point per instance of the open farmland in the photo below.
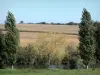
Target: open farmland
x,y
29,32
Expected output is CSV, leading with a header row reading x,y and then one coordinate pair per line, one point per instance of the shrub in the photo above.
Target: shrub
x,y
26,56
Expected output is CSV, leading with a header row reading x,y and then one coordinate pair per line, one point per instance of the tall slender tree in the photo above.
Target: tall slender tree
x,y
86,38
11,38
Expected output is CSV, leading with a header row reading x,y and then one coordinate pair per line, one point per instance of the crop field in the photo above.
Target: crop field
x,y
29,32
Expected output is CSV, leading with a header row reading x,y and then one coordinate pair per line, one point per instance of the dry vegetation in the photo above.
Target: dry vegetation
x,y
31,37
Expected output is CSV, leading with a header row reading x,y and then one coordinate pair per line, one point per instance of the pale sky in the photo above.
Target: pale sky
x,y
61,11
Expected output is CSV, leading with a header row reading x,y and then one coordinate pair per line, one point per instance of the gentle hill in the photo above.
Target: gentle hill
x,y
47,28
29,32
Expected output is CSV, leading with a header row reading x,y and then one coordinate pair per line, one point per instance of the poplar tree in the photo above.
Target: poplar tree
x,y
86,38
11,38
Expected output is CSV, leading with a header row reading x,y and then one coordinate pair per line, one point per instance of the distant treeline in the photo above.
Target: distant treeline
x,y
52,23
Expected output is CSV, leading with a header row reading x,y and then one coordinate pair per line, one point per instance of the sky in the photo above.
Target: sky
x,y
58,11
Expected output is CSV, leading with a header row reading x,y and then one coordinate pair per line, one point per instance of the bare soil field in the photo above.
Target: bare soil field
x,y
27,37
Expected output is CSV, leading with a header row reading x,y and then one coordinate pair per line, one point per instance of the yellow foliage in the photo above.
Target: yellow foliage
x,y
53,44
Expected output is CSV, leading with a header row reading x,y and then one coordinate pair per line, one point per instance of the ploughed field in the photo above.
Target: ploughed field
x,y
29,32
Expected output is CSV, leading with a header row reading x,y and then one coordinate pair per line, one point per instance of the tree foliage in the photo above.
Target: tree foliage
x,y
11,37
21,22
97,37
86,38
3,53
46,51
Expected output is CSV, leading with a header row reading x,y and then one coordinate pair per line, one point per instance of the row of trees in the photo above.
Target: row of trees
x,y
49,51
37,56
52,23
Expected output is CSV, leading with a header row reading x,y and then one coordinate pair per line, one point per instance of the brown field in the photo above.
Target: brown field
x,y
31,37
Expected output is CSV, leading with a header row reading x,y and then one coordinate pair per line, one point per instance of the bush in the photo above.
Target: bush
x,y
65,60
37,56
79,64
26,56
72,59
34,56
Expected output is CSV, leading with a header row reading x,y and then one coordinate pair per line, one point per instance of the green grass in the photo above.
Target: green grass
x,y
49,72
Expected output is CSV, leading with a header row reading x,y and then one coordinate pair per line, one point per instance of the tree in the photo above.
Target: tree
x,y
11,38
3,53
86,38
97,32
70,23
42,22
21,22
52,23
52,44
26,56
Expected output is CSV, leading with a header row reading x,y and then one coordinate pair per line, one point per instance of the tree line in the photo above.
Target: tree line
x,y
46,53
52,23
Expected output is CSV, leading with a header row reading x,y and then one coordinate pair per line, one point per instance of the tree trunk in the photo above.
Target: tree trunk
x,y
87,67
12,67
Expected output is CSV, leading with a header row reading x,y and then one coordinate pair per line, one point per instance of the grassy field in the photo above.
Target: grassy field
x,y
49,72
31,30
